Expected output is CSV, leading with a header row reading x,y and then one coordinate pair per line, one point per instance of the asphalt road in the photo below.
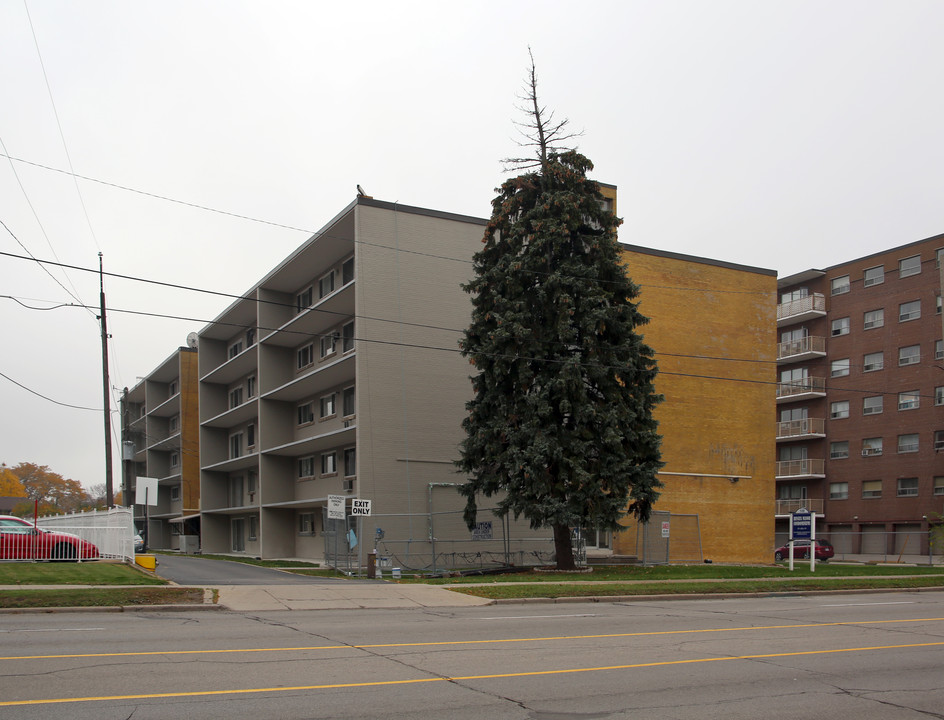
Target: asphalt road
x,y
867,656
194,570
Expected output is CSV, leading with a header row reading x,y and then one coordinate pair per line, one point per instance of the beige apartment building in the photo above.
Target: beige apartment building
x,y
160,440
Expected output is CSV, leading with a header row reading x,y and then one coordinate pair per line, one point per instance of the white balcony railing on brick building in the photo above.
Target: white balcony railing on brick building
x,y
807,427
803,386
786,507
801,309
808,467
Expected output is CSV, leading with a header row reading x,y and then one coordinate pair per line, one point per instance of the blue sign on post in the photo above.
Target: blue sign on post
x,y
801,524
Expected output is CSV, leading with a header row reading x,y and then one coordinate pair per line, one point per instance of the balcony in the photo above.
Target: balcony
x,y
788,507
801,429
808,468
795,311
803,349
802,389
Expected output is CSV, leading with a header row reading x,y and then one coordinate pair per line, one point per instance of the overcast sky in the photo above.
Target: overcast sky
x,y
780,135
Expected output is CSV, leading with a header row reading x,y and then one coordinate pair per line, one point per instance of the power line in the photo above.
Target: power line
x,y
56,402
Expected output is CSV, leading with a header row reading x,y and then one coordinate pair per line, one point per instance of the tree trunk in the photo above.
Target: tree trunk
x,y
563,548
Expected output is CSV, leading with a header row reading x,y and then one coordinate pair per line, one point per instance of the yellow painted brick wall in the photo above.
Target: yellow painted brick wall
x,y
713,329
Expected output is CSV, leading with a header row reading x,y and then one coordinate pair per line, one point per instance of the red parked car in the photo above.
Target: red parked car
x,y
21,540
801,549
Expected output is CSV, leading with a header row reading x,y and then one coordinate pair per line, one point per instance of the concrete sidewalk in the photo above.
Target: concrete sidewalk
x,y
353,596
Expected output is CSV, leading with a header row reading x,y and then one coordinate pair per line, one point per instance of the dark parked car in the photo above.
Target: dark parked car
x,y
21,540
801,549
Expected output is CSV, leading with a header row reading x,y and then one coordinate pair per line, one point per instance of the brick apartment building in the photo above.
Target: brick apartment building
x,y
860,433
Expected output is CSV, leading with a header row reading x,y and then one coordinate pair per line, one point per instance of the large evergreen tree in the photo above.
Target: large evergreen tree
x,y
560,426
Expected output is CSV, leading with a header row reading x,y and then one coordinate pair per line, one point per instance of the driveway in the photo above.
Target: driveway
x,y
191,570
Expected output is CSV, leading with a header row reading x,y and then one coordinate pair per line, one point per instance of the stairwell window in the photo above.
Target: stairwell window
x,y
347,271
174,460
350,462
347,337
839,285
326,285
251,386
348,402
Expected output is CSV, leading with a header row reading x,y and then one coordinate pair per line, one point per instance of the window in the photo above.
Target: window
x,y
909,311
250,435
907,487
939,395
938,440
347,337
839,491
328,405
347,271
871,488
306,467
306,523
839,409
839,450
350,462
839,285
172,388
304,299
839,368
347,402
840,326
235,397
872,405
250,337
173,424
792,295
871,446
874,276
939,486
252,483
329,463
908,400
175,493
874,319
908,443
235,446
306,413
251,386
938,255
910,355
937,304
175,459
236,491
328,344
939,349
306,356
326,285
253,528
873,361
909,266
235,349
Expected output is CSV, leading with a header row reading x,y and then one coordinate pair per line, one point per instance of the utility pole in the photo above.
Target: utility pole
x,y
109,487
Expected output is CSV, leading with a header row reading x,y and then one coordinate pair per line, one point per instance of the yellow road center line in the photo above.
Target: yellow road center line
x,y
440,643
533,673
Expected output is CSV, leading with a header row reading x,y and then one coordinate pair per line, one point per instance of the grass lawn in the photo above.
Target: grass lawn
x,y
65,573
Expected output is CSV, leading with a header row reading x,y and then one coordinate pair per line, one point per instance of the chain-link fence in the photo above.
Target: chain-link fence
x,y
877,544
665,538
436,542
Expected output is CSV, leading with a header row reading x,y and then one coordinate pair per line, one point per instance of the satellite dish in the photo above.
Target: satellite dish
x,y
192,340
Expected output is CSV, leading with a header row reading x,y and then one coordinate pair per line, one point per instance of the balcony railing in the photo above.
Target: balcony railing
x,y
803,386
809,346
801,428
808,467
801,309
786,507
